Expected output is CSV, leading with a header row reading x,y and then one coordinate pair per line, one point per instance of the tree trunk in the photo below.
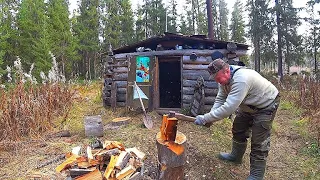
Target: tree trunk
x,y
280,74
171,165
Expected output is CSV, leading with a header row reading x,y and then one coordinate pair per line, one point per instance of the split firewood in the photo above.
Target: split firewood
x,y
110,167
137,153
112,145
123,159
128,171
135,162
109,153
94,175
50,161
67,163
89,153
79,172
136,176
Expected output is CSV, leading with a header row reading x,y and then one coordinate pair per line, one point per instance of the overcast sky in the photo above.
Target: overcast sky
x,y
230,3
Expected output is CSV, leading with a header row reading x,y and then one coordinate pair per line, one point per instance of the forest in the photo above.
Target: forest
x,y
34,29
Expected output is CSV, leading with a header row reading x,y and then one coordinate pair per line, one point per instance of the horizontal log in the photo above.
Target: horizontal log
x,y
121,84
119,59
207,84
107,81
106,93
188,90
183,52
120,70
204,109
121,97
189,98
207,91
121,76
200,60
210,92
121,90
186,105
121,104
195,74
194,67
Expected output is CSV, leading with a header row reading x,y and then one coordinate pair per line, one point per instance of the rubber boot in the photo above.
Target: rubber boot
x,y
257,169
238,149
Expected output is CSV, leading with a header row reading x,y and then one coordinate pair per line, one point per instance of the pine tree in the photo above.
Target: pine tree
x,y
259,27
183,26
156,18
313,37
172,16
202,20
112,26
215,18
86,30
223,21
237,23
140,27
127,22
60,36
7,33
289,26
33,41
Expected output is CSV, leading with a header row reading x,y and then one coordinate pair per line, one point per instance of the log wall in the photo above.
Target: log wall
x,y
116,76
116,68
191,71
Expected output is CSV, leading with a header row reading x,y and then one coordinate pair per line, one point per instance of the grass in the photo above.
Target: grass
x,y
203,144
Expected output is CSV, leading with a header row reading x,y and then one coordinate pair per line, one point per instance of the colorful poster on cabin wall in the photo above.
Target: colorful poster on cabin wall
x,y
142,70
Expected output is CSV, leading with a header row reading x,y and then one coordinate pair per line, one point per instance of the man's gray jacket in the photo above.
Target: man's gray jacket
x,y
247,89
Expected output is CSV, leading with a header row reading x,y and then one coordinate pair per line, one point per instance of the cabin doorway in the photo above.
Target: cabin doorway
x,y
170,82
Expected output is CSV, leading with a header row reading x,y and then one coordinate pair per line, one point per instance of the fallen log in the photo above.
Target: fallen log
x,y
50,161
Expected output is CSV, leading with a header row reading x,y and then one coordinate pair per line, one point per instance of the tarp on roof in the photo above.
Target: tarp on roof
x,y
169,40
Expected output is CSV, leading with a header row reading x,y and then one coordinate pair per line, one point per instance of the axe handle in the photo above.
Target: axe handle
x,y
188,118
184,117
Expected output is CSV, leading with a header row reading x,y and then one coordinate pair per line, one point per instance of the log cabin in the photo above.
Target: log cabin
x,y
166,68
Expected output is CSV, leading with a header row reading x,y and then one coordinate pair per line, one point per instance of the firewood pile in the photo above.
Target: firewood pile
x,y
110,161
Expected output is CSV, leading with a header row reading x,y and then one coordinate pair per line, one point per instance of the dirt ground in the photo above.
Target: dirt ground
x,y
286,160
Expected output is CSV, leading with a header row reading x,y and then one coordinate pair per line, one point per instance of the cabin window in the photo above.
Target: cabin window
x,y
170,82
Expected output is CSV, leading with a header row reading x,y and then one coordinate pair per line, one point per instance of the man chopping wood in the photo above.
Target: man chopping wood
x,y
255,100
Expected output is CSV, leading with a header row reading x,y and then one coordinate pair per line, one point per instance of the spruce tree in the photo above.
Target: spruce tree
x,y
86,30
33,41
8,32
172,16
223,21
237,23
60,36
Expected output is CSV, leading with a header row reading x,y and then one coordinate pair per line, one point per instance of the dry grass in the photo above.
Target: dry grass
x,y
29,110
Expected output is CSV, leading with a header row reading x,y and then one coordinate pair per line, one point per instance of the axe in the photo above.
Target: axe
x,y
183,117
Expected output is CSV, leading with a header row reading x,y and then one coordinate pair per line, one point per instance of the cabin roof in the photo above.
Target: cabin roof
x,y
170,40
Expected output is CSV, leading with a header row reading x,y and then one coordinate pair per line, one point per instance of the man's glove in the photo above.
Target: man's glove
x,y
199,120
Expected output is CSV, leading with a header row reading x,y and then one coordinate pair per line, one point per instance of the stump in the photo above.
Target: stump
x,y
93,126
171,157
120,121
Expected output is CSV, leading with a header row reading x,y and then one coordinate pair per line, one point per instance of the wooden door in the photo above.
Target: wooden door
x,y
140,69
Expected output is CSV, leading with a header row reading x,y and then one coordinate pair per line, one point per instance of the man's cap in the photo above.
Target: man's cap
x,y
215,66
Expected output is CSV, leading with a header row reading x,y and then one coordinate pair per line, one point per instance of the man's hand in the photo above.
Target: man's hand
x,y
199,120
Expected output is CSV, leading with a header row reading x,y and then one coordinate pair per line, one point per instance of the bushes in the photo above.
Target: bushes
x,y
304,92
